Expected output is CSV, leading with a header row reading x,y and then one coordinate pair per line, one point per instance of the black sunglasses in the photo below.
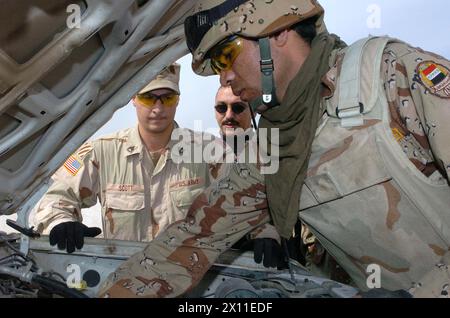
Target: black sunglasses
x,y
237,108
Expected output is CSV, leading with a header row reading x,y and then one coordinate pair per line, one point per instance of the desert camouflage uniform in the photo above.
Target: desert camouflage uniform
x,y
362,198
174,262
138,199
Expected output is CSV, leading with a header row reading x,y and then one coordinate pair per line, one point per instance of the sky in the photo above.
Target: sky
x,y
421,23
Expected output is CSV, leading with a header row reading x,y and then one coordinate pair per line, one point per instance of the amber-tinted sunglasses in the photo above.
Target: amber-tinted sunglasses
x,y
149,99
225,53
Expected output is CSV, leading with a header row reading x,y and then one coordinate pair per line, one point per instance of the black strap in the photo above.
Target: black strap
x,y
269,97
197,25
223,9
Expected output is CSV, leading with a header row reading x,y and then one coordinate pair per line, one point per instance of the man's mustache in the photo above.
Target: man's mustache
x,y
230,122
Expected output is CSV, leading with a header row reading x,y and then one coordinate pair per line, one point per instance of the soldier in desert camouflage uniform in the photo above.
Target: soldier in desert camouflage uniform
x,y
140,188
363,147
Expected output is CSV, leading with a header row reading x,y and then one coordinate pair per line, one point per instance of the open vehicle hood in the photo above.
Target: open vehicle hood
x,y
60,80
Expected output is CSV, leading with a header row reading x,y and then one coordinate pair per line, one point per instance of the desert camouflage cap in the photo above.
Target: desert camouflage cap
x,y
168,78
214,20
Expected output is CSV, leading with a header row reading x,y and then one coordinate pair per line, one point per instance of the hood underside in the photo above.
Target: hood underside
x,y
65,67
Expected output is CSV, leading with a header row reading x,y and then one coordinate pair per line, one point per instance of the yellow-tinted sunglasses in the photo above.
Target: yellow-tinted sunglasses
x,y
225,53
149,99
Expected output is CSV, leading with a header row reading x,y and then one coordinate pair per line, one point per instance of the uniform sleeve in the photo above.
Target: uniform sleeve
x,y
418,89
75,186
173,263
265,231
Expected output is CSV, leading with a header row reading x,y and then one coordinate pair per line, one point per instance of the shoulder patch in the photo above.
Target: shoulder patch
x,y
73,165
84,150
435,77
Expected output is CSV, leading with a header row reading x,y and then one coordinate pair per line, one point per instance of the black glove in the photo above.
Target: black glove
x,y
271,251
71,235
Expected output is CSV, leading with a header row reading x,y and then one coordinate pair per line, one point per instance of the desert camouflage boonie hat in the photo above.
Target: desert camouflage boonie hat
x,y
167,78
214,20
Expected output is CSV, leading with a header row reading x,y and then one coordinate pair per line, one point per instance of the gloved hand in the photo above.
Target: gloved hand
x,y
71,235
269,251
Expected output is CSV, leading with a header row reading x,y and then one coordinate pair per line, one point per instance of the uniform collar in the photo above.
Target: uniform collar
x,y
330,78
172,142
134,144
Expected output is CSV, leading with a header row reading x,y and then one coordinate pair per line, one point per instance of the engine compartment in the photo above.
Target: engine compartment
x,y
31,268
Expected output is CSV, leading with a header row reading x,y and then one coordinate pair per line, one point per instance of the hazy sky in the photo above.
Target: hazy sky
x,y
421,23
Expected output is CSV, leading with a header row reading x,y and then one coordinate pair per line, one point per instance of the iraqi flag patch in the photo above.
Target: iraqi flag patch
x,y
435,77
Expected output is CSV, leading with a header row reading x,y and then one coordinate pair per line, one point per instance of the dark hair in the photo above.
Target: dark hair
x,y
306,29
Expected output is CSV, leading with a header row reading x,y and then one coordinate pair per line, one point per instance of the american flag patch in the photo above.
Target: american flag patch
x,y
73,165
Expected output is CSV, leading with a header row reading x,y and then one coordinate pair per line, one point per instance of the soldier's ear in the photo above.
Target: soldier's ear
x,y
280,39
